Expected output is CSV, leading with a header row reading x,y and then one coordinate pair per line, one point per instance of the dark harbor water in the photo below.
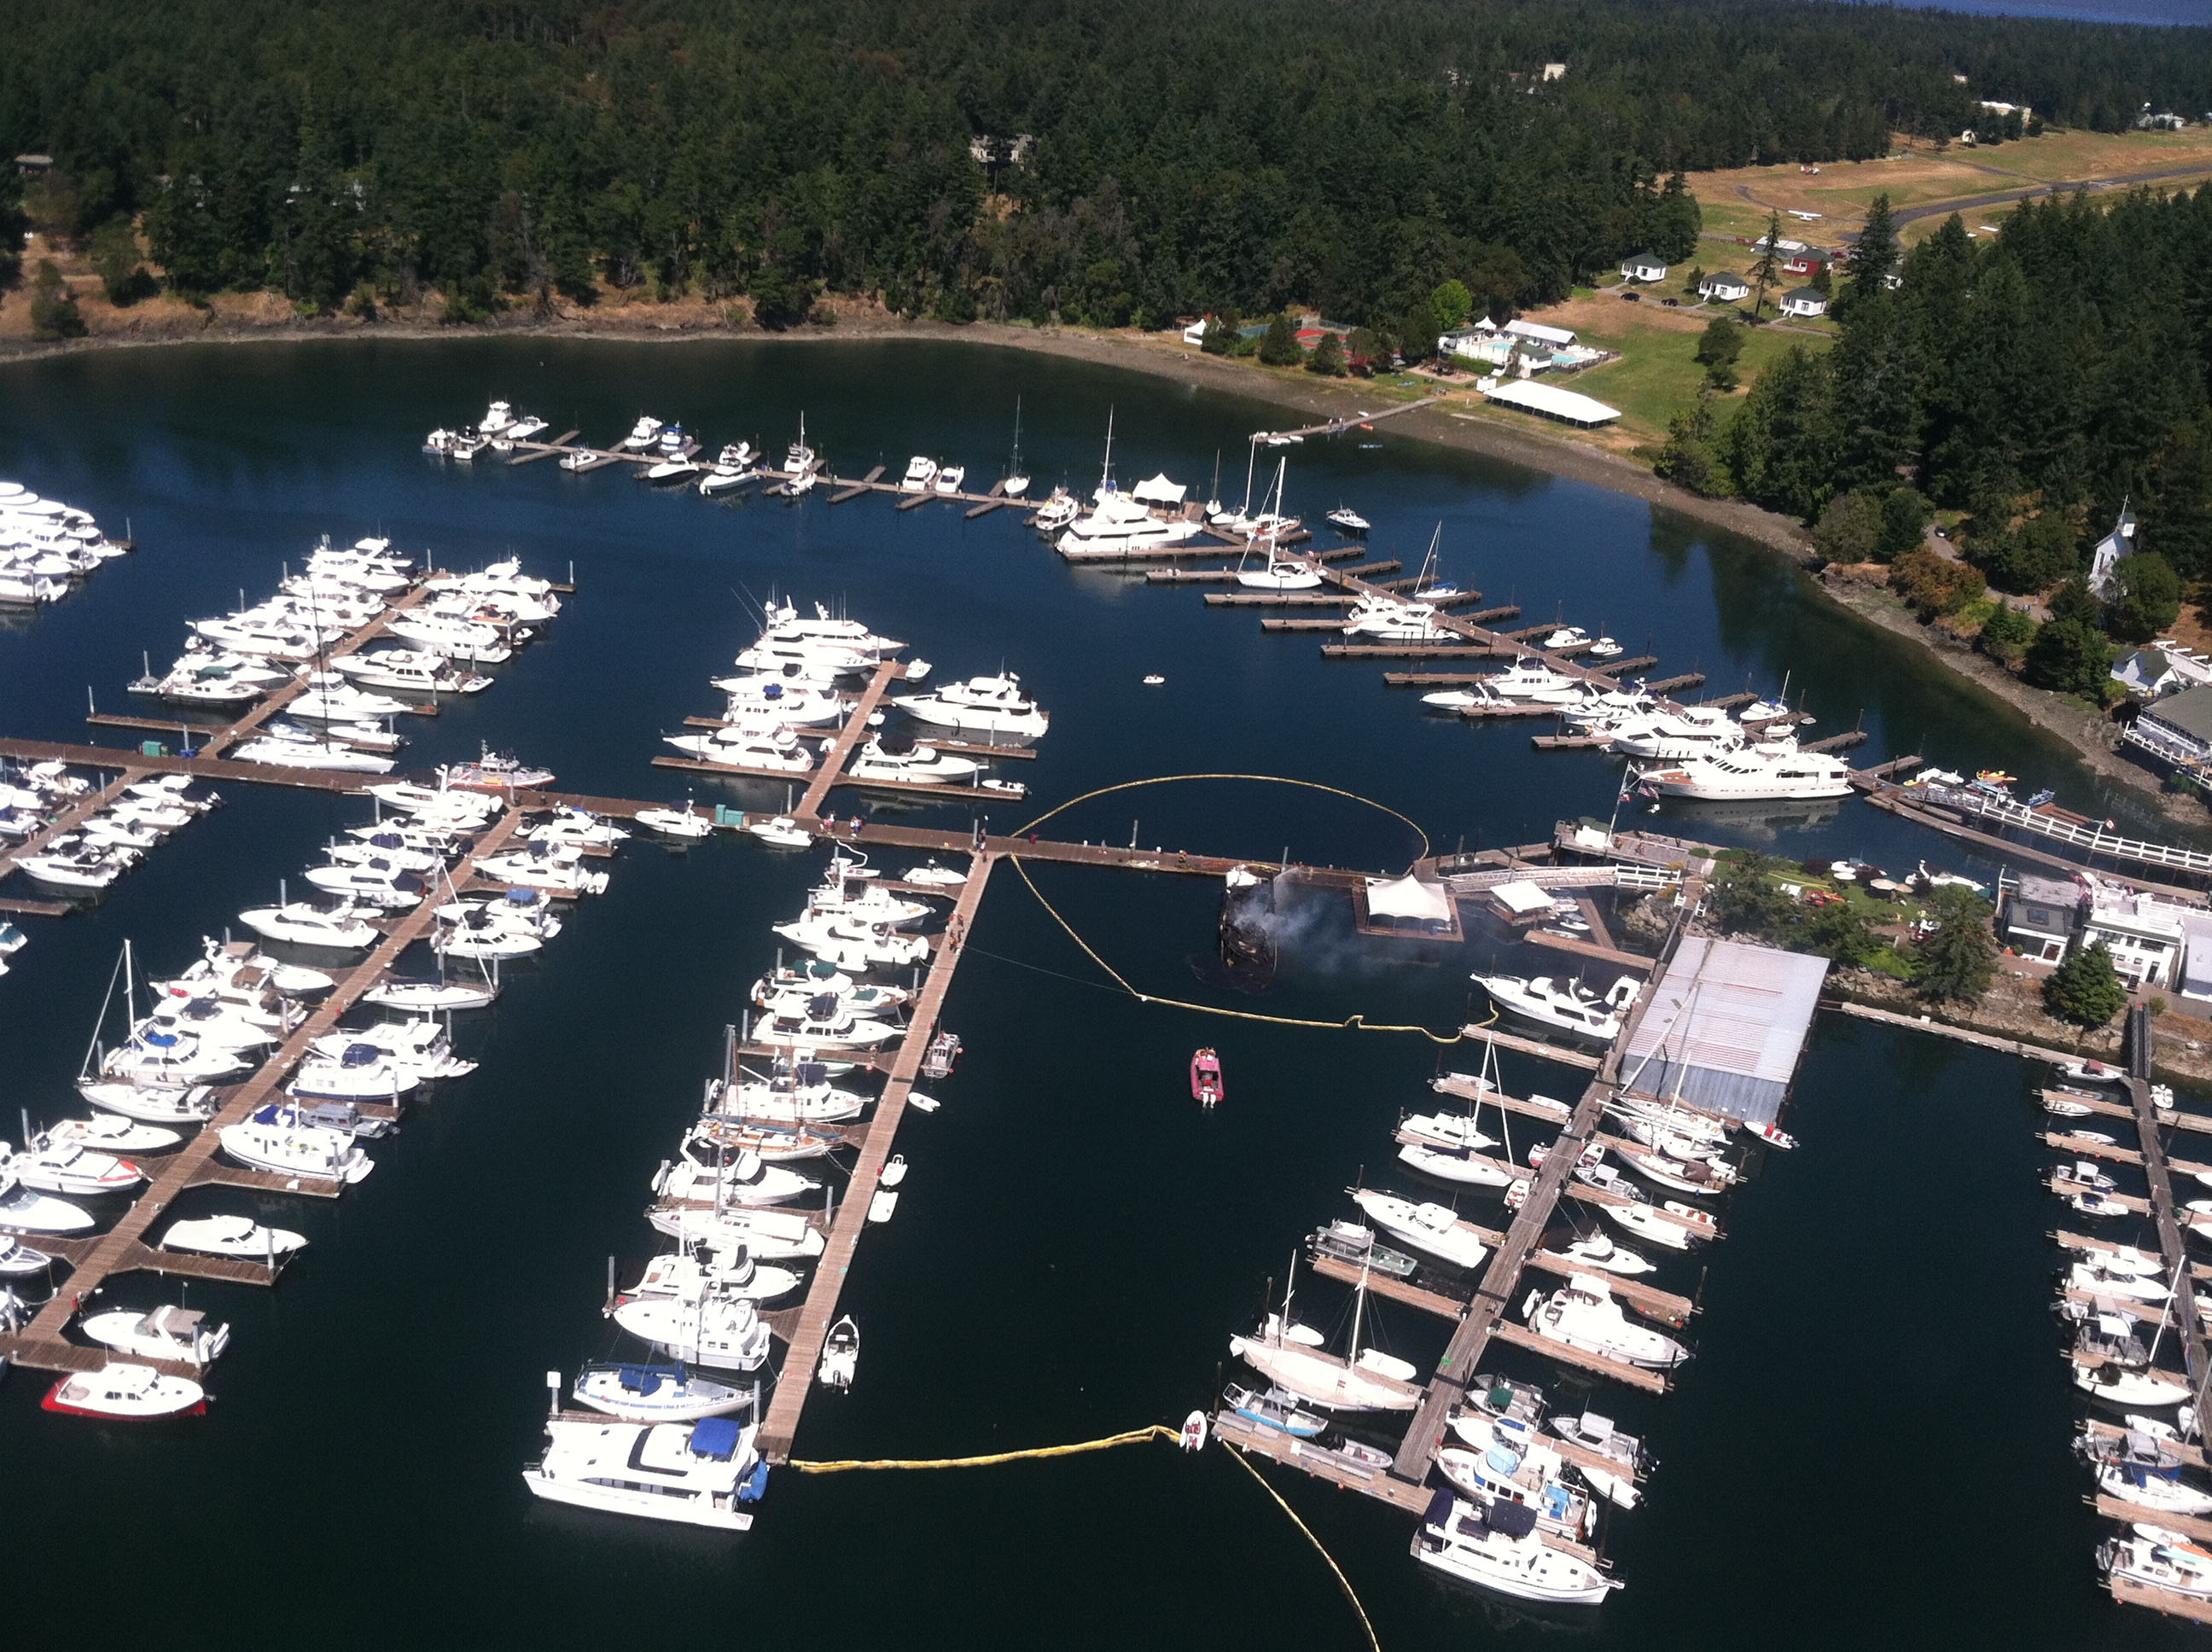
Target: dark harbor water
x,y
1870,1448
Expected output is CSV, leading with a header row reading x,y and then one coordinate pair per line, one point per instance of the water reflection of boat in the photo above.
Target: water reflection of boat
x,y
1764,816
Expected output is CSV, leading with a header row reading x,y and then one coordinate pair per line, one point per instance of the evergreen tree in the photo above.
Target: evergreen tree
x,y
1677,220
2068,657
2147,597
54,314
1280,347
1905,519
1218,338
2177,514
1873,258
1850,529
2006,635
1958,960
2086,989
1768,269
13,224
1327,357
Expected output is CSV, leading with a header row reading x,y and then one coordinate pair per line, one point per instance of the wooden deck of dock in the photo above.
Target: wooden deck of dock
x,y
819,1312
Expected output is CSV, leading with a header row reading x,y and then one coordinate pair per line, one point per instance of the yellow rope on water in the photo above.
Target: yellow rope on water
x,y
1133,1436
1269,780
1354,1022
1342,1581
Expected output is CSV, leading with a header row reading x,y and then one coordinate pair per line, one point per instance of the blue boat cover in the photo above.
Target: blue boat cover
x,y
643,1379
715,1437
361,1055
756,1484
161,1040
812,1072
388,840
1440,1507
822,1007
521,897
772,691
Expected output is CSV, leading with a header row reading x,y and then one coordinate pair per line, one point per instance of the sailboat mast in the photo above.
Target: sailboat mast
x,y
1106,474
130,986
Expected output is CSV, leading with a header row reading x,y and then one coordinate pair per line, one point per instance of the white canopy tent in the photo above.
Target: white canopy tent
x,y
1159,491
1409,898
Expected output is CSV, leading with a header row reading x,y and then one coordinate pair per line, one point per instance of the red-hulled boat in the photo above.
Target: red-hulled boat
x,y
1205,1086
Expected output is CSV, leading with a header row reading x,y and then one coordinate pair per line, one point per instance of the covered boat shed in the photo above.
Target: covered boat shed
x,y
1550,402
1725,1028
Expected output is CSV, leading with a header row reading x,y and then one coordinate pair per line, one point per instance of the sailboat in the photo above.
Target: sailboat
x,y
1293,1357
1017,481
1280,574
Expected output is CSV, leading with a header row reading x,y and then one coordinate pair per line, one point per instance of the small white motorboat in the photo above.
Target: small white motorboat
x,y
1600,1253
748,1179
121,1392
688,1276
18,1257
841,1354
168,1332
686,824
232,1235
35,1212
73,1169
154,1103
932,876
110,1133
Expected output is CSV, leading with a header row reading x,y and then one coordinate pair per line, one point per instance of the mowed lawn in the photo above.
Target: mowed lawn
x,y
1658,374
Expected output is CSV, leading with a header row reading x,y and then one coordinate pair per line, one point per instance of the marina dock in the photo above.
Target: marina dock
x,y
123,1247
819,1311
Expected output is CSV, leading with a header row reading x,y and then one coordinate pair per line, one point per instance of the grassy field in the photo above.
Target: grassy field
x,y
1737,201
1658,375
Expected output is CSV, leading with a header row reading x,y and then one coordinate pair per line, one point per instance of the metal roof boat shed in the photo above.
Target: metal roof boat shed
x,y
1725,1028
1548,401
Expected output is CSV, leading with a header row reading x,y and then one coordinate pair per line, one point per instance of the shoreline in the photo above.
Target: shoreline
x,y
1533,450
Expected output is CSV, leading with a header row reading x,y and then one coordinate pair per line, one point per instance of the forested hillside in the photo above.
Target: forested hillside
x,y
1250,153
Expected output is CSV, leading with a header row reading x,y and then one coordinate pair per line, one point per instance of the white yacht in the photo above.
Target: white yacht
x,y
556,867
950,478
1533,681
921,474
1432,1228
232,1235
745,1179
770,1234
721,1333
1460,1165
796,702
1058,510
1116,522
655,1393
749,745
1755,773
121,1392
71,1168
1505,1461
995,705
1583,1314
1386,619
274,1139
411,671
688,1275
686,824
895,759
645,433
280,751
1566,1007
797,1093
171,1332
340,929
2159,1559
852,945
697,1473
1676,734
1498,1550
110,1132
